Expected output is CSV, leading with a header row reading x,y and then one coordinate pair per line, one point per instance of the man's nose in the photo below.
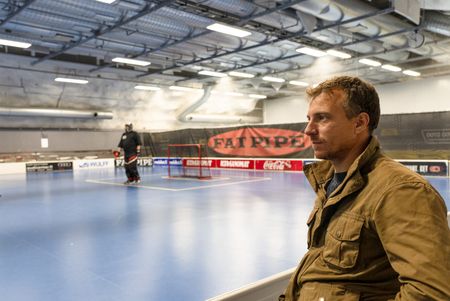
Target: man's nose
x,y
310,129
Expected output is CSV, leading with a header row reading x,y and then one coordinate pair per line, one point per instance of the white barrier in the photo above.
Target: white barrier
x,y
93,164
267,289
11,168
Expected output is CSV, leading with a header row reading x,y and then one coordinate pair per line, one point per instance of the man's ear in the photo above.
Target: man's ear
x,y
362,122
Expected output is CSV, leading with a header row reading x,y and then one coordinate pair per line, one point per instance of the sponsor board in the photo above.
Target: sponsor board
x,y
436,136
160,161
259,142
48,166
93,164
196,162
142,161
427,168
279,164
12,168
235,164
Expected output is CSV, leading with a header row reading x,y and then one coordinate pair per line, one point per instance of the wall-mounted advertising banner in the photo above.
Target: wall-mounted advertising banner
x,y
258,164
93,164
160,161
279,164
196,162
48,166
146,162
436,136
235,164
11,168
427,168
259,142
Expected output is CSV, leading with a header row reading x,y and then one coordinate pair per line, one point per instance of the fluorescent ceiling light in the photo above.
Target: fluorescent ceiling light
x,y
147,88
106,1
14,43
298,83
130,61
241,74
411,73
370,62
71,80
339,54
228,30
178,88
257,96
391,68
311,51
273,79
212,73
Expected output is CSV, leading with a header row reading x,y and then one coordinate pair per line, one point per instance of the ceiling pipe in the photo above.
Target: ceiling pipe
x,y
437,23
33,112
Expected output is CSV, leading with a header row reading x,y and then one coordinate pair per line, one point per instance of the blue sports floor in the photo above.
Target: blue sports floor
x,y
84,236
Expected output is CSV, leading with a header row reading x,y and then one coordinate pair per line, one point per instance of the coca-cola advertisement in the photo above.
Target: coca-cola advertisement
x,y
279,165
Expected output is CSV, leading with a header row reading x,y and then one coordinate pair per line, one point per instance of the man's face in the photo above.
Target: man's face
x,y
333,135
127,128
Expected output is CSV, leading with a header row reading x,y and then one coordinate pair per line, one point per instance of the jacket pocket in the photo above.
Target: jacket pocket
x,y
327,292
342,241
310,223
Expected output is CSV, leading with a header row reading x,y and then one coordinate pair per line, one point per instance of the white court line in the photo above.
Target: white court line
x,y
224,184
131,185
142,176
178,189
212,179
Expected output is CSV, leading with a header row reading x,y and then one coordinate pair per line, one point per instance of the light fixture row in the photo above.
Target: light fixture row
x,y
320,53
388,67
155,88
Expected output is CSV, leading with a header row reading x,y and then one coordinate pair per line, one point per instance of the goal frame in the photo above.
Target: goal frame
x,y
201,175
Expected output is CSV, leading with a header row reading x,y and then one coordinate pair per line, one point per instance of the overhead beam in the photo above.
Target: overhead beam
x,y
240,22
401,31
267,42
147,10
16,12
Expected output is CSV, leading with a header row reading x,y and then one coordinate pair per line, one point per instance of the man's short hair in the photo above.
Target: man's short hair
x,y
361,97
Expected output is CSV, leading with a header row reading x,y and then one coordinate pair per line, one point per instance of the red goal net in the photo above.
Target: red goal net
x,y
191,161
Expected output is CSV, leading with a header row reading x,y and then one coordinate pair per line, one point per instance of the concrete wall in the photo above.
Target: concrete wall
x,y
414,96
24,141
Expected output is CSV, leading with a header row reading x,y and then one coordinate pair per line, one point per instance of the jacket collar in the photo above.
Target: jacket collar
x,y
320,172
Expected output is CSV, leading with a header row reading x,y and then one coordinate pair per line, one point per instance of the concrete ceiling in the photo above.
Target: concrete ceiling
x,y
79,39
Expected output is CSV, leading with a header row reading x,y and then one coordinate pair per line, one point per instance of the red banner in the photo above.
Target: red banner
x,y
280,165
266,164
259,142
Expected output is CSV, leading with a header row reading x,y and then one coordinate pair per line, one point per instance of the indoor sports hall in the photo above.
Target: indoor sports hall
x,y
214,204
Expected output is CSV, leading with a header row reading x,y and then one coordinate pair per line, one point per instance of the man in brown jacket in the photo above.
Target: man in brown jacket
x,y
378,231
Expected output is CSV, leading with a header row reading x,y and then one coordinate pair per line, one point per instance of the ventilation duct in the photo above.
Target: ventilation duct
x,y
435,4
245,8
188,116
33,112
437,23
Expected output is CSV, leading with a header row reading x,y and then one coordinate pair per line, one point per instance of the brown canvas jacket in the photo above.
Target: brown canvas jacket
x,y
381,235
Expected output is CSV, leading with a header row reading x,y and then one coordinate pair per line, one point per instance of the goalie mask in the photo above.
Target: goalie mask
x,y
128,127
